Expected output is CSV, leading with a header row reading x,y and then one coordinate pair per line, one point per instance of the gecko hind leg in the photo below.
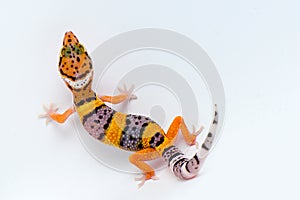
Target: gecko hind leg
x,y
178,123
138,159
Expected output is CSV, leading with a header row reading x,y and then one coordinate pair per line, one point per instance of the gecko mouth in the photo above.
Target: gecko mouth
x,y
79,83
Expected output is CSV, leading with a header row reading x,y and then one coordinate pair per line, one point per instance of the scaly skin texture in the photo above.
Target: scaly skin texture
x,y
135,133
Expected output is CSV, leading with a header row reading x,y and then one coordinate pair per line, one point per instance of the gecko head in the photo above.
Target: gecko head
x,y
75,65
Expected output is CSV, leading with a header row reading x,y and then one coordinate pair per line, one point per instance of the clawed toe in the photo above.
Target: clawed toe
x,y
128,92
132,97
155,178
49,110
143,179
193,136
196,133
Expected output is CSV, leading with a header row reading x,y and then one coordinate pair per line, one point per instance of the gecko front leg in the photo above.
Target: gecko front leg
x,y
51,114
125,94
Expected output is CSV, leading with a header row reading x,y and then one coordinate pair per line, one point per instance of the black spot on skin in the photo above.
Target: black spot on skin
x,y
187,169
75,67
140,146
80,103
72,66
108,121
90,99
136,123
160,141
174,156
139,117
91,66
69,87
145,124
67,68
97,121
209,134
106,126
205,147
70,56
92,127
60,58
85,87
100,136
69,40
152,141
83,75
72,61
196,158
100,117
78,59
87,55
77,90
128,121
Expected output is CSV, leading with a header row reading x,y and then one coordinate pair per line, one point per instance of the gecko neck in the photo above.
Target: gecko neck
x,y
84,95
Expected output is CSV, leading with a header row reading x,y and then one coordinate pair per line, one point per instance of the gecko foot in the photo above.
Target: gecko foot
x,y
194,135
49,111
144,178
128,92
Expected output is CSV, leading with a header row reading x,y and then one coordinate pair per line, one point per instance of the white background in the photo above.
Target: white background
x,y
255,46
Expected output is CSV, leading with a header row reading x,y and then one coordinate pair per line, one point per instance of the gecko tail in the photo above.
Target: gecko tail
x,y
187,168
210,138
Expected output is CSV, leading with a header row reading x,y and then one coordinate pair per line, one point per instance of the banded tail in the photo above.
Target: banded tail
x,y
183,167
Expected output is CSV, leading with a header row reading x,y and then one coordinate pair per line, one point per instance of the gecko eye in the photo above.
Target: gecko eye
x,y
65,51
79,49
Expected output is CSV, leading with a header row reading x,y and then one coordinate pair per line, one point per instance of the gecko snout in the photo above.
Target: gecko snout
x,y
70,38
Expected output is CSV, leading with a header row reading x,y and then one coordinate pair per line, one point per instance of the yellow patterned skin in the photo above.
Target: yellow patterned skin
x,y
135,133
114,132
